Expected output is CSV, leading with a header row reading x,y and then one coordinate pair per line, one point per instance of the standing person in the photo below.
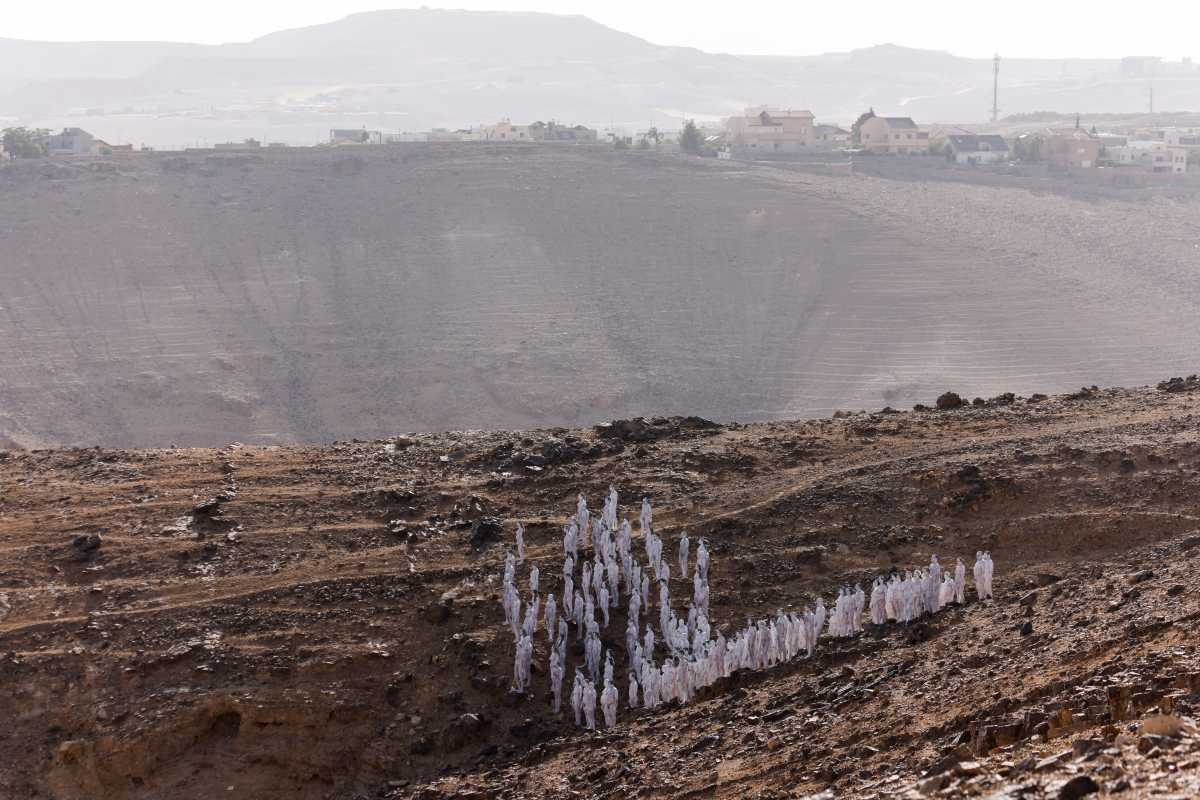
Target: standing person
x,y
608,704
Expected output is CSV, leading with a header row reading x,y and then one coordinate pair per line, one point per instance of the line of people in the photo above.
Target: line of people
x,y
696,655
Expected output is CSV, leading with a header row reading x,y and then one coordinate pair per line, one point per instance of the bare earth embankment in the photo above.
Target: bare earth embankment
x,y
326,628
306,296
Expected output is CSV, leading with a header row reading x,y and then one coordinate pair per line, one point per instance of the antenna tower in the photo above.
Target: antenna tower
x,y
996,87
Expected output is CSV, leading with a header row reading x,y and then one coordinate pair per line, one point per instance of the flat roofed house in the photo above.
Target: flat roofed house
x,y
342,136
767,131
71,142
830,137
976,148
505,131
1072,149
893,136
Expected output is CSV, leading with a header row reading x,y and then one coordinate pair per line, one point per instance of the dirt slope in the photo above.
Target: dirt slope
x,y
329,631
315,295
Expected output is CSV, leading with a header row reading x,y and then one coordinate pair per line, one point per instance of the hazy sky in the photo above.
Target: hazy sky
x,y
1036,28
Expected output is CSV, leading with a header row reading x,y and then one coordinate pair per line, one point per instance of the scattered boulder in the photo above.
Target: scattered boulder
x,y
1079,786
484,531
949,401
85,546
462,730
208,508
1173,385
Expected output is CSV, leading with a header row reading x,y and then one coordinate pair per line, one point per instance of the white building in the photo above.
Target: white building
x,y
766,130
1152,156
977,148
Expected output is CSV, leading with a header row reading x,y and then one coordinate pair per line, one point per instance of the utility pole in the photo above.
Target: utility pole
x,y
996,88
1152,98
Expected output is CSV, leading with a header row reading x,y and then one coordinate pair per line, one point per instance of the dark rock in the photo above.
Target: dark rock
x,y
462,730
521,729
210,507
422,745
484,531
86,545
1173,385
1029,599
438,612
1141,576
1006,399
949,401
629,430
1176,590
1079,786
1027,628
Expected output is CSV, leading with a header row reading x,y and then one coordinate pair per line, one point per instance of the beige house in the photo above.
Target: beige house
x,y
1151,156
893,136
1075,148
765,131
505,131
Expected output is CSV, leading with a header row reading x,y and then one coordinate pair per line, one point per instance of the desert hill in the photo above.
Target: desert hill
x,y
316,295
420,68
324,621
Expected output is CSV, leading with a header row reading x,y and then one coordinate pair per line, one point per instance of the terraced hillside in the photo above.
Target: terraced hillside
x,y
308,295
324,621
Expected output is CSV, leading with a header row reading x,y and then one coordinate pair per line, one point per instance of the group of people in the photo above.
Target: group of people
x,y
696,655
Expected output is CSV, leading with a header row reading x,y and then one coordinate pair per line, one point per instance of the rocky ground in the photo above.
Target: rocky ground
x,y
324,621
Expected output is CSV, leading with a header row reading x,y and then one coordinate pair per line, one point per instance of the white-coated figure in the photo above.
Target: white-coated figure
x,y
589,704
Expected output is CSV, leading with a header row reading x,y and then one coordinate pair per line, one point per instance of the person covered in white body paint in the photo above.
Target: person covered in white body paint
x,y
589,704
702,561
551,615
511,602
569,541
556,679
960,582
980,570
533,579
591,652
632,698
988,569
523,660
520,543
603,603
608,704
878,603
577,698
946,594
683,555
531,615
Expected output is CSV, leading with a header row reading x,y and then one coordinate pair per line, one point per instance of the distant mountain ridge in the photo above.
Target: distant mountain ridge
x,y
420,68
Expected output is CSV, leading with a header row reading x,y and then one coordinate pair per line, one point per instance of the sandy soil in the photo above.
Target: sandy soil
x,y
308,296
331,630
